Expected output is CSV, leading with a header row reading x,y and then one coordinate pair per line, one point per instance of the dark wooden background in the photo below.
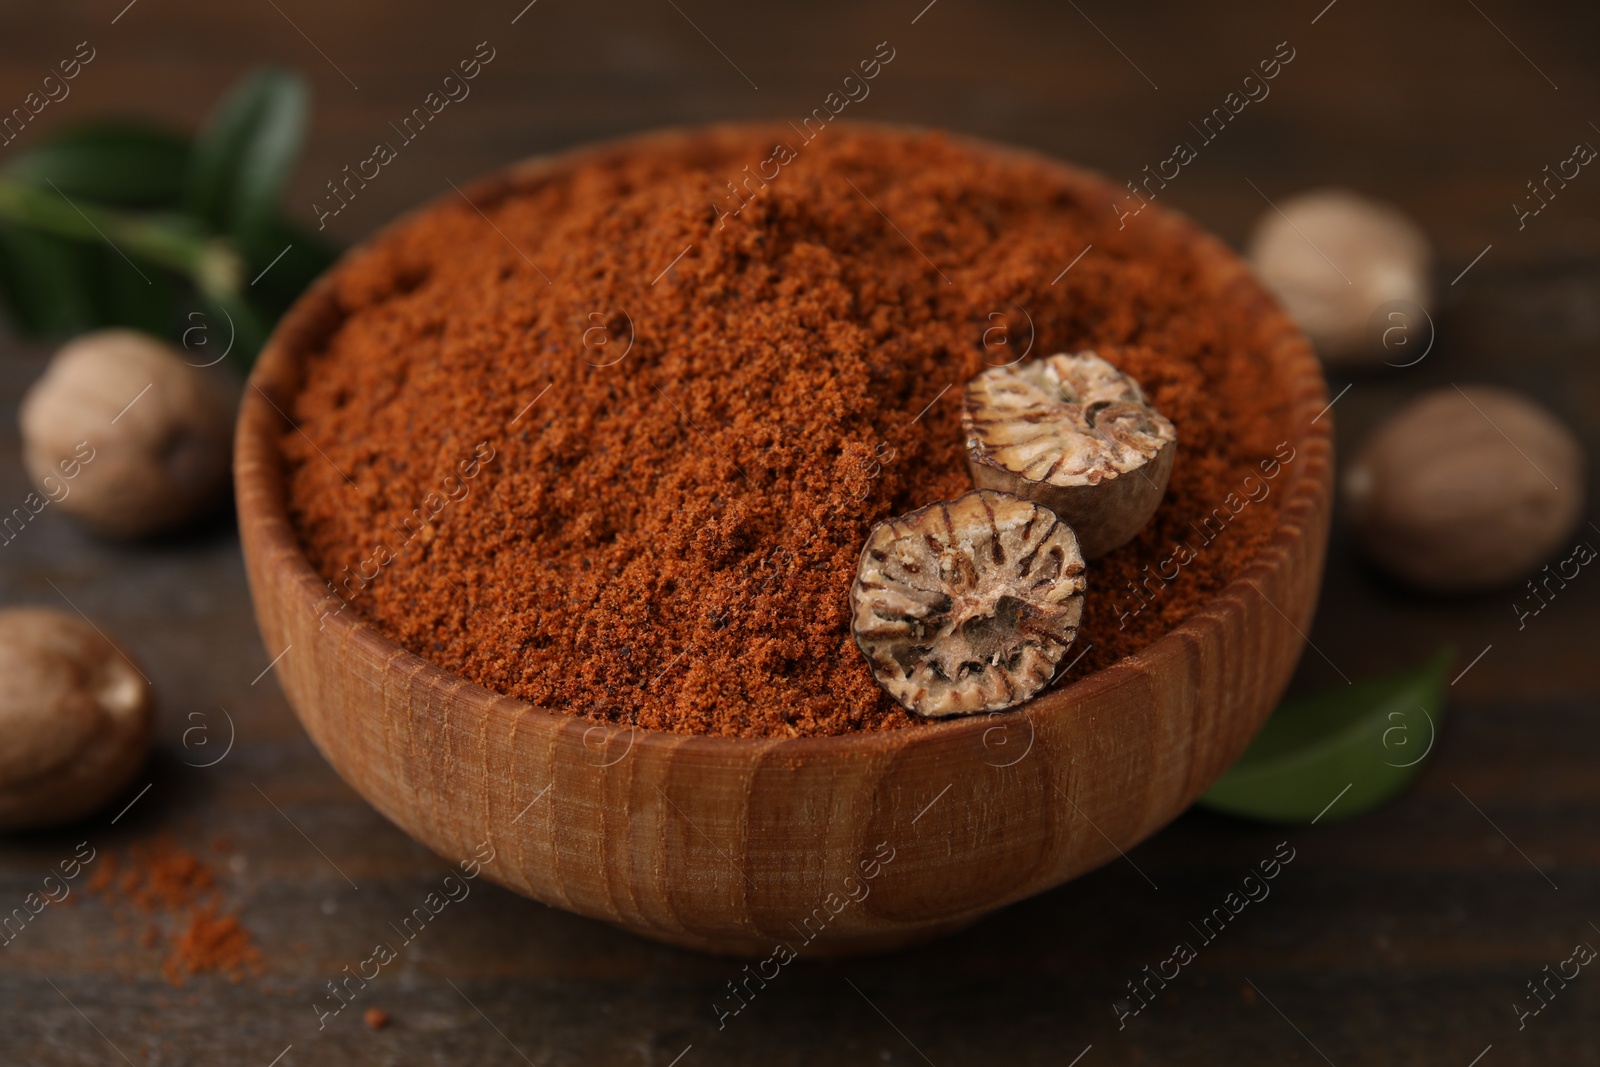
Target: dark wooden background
x,y
1405,936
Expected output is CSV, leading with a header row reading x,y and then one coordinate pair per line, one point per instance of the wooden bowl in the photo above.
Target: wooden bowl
x,y
831,846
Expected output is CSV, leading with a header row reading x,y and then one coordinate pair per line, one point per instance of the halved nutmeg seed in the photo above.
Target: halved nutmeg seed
x,y
968,605
1075,434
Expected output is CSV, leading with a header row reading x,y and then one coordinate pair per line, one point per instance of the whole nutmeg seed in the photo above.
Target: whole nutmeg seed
x,y
1335,258
1466,488
124,434
75,715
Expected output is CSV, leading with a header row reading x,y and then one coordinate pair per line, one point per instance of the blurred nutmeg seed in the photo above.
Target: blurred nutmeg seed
x,y
1465,488
76,716
126,435
1335,259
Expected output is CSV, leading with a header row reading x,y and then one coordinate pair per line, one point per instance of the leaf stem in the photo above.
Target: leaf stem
x,y
209,262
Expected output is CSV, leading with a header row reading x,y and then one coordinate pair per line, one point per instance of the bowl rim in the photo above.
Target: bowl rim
x,y
261,419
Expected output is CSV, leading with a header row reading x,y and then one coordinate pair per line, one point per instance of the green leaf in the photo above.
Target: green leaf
x,y
282,260
1362,744
54,286
243,157
49,283
115,162
250,329
120,223
145,299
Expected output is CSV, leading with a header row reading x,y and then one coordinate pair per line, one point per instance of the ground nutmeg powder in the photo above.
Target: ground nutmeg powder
x,y
610,438
177,893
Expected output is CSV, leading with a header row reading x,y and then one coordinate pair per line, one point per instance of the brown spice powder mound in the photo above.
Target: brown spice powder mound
x,y
667,537
160,878
211,942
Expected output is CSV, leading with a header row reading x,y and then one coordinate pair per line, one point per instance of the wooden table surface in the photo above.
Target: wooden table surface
x,y
1405,936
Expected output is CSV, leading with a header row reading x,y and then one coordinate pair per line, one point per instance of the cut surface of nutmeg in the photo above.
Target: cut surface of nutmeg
x,y
1075,434
75,714
968,605
1465,488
